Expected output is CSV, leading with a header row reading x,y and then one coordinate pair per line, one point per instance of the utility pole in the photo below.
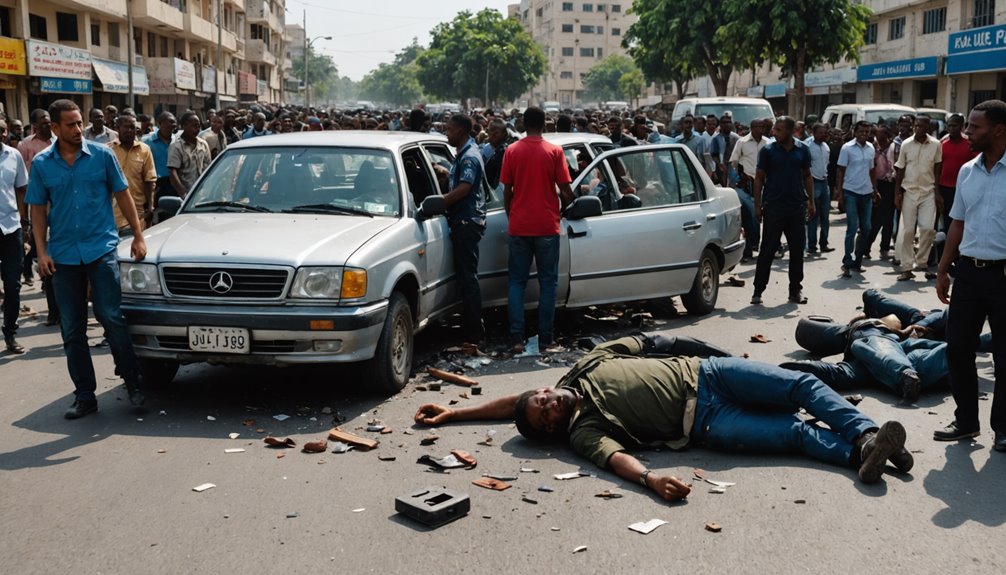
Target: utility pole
x,y
307,86
220,54
130,53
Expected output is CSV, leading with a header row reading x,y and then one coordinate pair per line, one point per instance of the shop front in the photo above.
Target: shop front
x,y
112,84
58,72
13,70
172,85
913,82
247,87
976,61
828,87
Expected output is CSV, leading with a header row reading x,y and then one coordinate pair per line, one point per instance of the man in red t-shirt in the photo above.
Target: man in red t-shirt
x,y
532,169
956,153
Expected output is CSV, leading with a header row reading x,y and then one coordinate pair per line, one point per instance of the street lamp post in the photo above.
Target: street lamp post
x,y
307,48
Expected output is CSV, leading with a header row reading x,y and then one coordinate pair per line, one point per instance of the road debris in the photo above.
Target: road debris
x,y
435,386
360,510
280,455
580,549
429,440
476,390
293,515
490,483
337,434
800,501
203,487
386,457
759,338
386,431
719,483
234,450
234,435
714,527
568,476
556,529
210,418
248,422
447,462
320,446
465,457
647,527
500,477
451,377
281,417
162,451
340,447
699,474
854,399
527,499
735,281
608,494
528,470
719,490
434,506
280,443
374,428
545,489
326,410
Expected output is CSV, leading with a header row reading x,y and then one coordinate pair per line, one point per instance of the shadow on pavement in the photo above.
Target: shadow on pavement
x,y
969,493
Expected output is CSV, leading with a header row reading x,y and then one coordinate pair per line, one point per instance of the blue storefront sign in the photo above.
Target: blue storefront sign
x,y
899,70
775,90
977,50
65,85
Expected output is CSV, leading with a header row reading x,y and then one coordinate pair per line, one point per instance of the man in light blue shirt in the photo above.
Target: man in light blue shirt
x,y
159,143
70,190
820,153
859,186
13,220
694,142
977,242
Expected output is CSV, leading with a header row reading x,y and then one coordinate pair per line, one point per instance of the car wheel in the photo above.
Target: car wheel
x,y
701,300
158,372
392,363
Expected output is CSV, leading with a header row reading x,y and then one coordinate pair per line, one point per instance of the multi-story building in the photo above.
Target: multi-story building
x,y
575,37
187,54
264,53
293,41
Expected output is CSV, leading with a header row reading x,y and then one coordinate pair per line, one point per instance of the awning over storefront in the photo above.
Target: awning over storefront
x,y
12,57
899,70
56,61
977,50
113,77
225,98
64,85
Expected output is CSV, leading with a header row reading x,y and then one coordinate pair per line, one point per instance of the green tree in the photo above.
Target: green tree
x,y
396,83
797,34
677,40
632,84
602,81
483,56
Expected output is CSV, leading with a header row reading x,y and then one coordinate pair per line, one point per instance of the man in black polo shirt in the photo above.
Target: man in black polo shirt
x,y
783,205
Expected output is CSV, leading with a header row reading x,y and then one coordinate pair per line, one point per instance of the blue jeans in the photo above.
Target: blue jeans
x,y
465,238
752,228
748,406
545,252
11,259
822,207
858,213
70,283
886,358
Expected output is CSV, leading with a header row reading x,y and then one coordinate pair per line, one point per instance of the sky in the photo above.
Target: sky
x,y
365,34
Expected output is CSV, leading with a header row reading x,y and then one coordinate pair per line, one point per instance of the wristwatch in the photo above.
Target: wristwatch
x,y
643,476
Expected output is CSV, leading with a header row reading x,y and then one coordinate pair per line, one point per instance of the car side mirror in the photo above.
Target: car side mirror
x,y
432,206
583,207
170,205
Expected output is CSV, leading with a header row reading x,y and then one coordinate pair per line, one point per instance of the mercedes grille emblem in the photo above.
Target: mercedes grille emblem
x,y
221,282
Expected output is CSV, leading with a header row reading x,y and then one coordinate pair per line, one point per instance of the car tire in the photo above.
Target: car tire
x,y
391,366
701,300
158,372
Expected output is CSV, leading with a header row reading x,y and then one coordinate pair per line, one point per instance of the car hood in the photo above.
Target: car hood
x,y
280,239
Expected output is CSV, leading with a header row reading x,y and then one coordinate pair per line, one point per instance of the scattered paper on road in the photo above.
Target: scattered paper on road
x,y
234,450
647,527
580,549
568,476
234,435
281,417
203,487
719,483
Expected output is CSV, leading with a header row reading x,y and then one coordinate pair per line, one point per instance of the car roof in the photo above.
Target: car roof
x,y
735,100
561,139
868,107
343,138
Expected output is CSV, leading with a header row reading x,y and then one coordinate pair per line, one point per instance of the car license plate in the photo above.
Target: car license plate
x,y
220,339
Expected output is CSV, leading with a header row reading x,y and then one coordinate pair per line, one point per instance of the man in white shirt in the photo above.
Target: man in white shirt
x,y
13,220
744,160
98,131
820,152
918,170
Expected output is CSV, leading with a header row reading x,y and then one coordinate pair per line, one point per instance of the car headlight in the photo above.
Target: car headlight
x,y
139,278
317,283
354,283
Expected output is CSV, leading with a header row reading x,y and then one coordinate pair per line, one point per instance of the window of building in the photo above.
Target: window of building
x,y
600,53
586,52
66,27
588,7
616,7
601,7
567,28
871,34
4,21
138,41
896,30
113,35
95,33
151,45
934,20
37,27
586,29
566,75
600,29
567,51
165,53
979,96
616,31
566,7
985,13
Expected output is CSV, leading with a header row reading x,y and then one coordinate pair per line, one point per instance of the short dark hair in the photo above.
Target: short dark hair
x,y
165,116
861,124
564,123
96,109
817,126
534,118
524,426
956,118
994,110
143,118
497,124
462,121
787,121
36,115
57,108
922,117
188,117
907,117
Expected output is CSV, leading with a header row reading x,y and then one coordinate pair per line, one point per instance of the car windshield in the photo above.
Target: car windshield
x,y
742,113
887,117
309,179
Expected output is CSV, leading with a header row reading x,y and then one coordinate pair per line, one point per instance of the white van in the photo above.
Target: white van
x,y
743,110
550,107
844,116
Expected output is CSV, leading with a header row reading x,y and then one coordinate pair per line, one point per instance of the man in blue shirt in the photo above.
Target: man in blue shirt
x,y
13,221
159,143
817,144
783,204
257,128
695,142
69,191
859,188
466,215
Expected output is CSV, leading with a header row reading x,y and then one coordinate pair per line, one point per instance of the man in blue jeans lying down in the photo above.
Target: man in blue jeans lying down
x,y
654,391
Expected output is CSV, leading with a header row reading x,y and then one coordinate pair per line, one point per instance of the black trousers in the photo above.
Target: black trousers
x,y
777,221
882,221
465,239
978,294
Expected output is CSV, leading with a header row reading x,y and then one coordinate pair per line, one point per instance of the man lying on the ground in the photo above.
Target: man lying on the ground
x,y
616,398
931,324
881,351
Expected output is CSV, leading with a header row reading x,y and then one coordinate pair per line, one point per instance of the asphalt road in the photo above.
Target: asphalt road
x,y
112,493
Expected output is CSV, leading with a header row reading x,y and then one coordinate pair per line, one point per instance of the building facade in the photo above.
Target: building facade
x,y
575,36
187,54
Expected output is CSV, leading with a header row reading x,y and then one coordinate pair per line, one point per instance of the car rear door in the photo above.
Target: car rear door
x,y
648,241
438,290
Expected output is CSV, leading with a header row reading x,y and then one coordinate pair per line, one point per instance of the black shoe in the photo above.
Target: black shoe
x,y
81,408
954,433
1000,442
846,272
867,257
910,385
13,346
858,269
797,297
876,448
827,250
136,397
811,251
930,275
903,460
756,299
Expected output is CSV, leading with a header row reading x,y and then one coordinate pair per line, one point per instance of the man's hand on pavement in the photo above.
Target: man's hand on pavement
x,y
668,487
433,414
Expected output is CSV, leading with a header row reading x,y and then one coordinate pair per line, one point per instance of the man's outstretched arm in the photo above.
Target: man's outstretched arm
x,y
631,469
495,410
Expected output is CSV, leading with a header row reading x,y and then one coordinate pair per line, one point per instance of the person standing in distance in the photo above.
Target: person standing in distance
x,y
977,242
858,184
532,170
69,191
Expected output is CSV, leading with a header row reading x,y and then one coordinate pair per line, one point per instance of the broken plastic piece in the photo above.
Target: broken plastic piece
x,y
720,483
386,431
699,474
735,281
556,529
527,499
315,446
375,428
293,515
210,418
340,447
607,494
528,470
714,527
234,435
235,450
386,457
647,527
718,490
500,477
545,489
434,506
435,386
759,338
429,440
568,476
203,487
476,390
448,462
490,483
281,417
337,434
465,457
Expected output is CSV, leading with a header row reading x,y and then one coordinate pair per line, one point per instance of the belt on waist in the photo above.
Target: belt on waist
x,y
985,263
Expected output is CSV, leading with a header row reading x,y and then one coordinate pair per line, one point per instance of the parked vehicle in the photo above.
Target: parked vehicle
x,y
939,118
580,148
844,116
743,110
551,107
309,248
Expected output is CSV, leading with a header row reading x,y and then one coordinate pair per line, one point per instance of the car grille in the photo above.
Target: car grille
x,y
181,343
246,283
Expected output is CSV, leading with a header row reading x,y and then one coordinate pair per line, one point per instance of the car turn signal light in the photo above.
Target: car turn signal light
x,y
354,284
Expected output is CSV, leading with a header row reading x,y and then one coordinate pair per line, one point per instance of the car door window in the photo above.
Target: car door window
x,y
419,176
688,184
577,158
441,156
649,175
